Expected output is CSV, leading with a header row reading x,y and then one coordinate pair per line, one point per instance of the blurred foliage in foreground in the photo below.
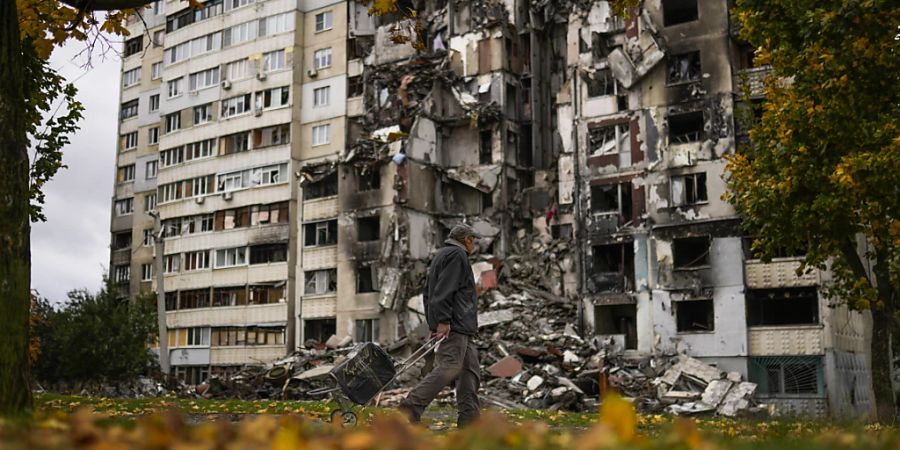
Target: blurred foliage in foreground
x,y
618,427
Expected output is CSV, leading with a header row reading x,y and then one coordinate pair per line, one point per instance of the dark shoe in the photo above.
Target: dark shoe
x,y
410,413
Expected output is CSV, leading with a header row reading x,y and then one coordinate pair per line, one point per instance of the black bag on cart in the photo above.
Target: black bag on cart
x,y
365,372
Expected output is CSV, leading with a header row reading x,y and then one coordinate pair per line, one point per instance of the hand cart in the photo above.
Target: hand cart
x,y
367,371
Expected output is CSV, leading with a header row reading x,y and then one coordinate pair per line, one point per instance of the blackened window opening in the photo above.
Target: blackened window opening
x,y
686,127
786,306
679,11
694,315
367,229
326,187
691,252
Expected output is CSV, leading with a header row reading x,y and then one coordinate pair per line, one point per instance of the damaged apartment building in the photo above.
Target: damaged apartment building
x,y
307,158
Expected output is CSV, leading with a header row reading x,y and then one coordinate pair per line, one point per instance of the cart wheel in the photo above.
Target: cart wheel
x,y
336,416
349,419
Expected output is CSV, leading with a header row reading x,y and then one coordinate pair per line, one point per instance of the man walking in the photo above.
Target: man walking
x,y
452,313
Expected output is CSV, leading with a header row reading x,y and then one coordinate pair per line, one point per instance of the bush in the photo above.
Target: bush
x,y
94,337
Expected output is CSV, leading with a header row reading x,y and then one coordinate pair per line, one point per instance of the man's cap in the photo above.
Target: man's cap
x,y
459,232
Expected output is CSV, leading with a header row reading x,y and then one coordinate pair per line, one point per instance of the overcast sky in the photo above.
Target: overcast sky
x,y
71,250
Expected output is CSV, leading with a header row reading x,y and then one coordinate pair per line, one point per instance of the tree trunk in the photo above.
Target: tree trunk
x,y
881,367
15,227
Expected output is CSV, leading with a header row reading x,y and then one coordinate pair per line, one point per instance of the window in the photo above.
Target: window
x,y
685,127
320,96
271,213
322,58
787,375
275,135
691,252
784,306
326,187
134,45
196,260
130,140
276,24
146,272
229,257
197,187
237,70
201,149
273,60
150,169
154,103
694,315
196,336
235,105
153,136
319,330
171,157
231,181
171,305
368,179
211,8
264,294
233,218
236,143
612,198
683,68
273,98
320,233
689,189
202,114
368,229
366,330
121,241
204,79
158,7
177,53
147,239
195,298
323,21
191,375
320,134
269,175
126,173
159,38
174,86
229,296
237,34
354,86
170,192
610,139
173,122
125,206
204,44
602,83
238,3
268,253
197,224
612,267
156,70
131,77
150,202
171,263
486,147
679,11
365,279
129,109
122,274
320,282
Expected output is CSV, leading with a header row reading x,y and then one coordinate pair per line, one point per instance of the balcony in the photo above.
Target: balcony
x,y
753,79
786,341
778,273
228,316
229,356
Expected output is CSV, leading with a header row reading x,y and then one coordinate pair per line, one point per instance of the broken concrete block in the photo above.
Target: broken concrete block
x,y
315,372
570,357
734,377
737,399
715,392
507,367
333,341
494,317
697,369
534,383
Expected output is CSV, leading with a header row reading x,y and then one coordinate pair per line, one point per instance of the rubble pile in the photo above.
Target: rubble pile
x,y
137,388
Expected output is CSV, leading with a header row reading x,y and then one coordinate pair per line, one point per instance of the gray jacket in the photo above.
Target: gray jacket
x,y
449,295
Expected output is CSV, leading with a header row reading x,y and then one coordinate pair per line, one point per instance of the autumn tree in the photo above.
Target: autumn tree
x,y
822,174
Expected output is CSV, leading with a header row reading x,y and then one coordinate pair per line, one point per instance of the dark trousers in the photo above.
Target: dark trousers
x,y
456,359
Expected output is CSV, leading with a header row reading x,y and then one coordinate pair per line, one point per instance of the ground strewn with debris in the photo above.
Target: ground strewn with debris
x,y
97,422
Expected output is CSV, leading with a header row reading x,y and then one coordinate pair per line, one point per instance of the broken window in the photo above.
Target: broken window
x,y
191,375
691,252
694,315
320,282
366,280
320,233
264,294
235,143
679,11
232,218
684,68
790,375
601,83
319,330
368,229
134,45
326,187
229,296
612,198
608,140
354,86
171,301
617,320
265,336
613,267
366,330
122,240
799,249
271,213
369,179
276,135
195,298
268,253
685,127
785,306
485,147
689,189
561,231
